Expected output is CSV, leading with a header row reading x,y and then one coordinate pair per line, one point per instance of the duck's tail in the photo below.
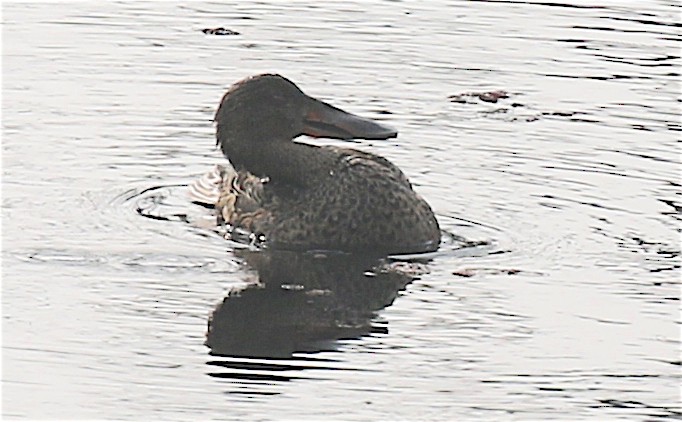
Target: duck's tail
x,y
236,196
206,189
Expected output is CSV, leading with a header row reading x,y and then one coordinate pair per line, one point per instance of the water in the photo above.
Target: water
x,y
567,309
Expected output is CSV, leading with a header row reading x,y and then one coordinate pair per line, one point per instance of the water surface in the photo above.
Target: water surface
x,y
567,309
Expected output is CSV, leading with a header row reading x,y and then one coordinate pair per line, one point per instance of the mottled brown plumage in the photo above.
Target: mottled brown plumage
x,y
302,196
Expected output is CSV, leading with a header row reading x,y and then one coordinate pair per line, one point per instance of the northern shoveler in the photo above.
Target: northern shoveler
x,y
305,197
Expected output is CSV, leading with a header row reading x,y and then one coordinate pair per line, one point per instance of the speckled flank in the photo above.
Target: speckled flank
x,y
308,197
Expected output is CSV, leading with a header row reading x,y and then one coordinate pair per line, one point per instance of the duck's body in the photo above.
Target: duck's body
x,y
306,197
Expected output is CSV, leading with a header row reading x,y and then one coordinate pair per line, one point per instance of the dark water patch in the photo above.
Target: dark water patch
x,y
611,77
294,364
647,410
658,256
302,303
251,394
619,30
545,3
648,156
643,61
646,21
253,374
474,271
256,376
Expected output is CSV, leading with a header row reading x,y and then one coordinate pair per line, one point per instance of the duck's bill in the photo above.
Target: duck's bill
x,y
325,121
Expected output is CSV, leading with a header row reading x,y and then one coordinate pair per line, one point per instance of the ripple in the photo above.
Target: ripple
x,y
556,285
170,203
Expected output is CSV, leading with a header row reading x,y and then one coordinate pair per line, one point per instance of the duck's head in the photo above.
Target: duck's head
x,y
267,108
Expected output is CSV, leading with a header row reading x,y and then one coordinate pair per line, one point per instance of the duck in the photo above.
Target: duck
x,y
295,195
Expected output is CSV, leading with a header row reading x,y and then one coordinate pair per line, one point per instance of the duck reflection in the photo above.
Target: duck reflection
x,y
304,302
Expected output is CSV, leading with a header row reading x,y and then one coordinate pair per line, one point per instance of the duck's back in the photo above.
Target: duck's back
x,y
360,202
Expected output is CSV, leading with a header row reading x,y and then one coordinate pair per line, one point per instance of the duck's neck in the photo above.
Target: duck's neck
x,y
285,163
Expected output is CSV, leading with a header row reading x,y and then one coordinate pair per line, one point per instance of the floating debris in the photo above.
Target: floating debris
x,y
470,272
488,97
492,97
219,31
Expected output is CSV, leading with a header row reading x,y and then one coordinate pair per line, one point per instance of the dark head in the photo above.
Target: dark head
x,y
267,108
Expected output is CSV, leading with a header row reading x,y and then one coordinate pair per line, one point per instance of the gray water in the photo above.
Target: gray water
x,y
564,305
